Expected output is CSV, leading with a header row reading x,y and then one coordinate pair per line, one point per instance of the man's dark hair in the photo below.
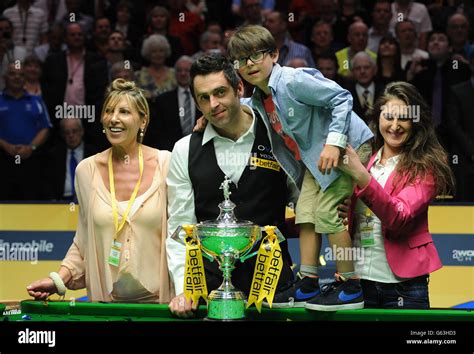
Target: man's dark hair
x,y
214,63
328,55
438,31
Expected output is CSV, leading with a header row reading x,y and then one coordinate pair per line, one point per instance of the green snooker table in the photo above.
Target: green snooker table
x,y
38,311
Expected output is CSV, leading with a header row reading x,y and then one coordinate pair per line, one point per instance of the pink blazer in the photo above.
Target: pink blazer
x,y
403,212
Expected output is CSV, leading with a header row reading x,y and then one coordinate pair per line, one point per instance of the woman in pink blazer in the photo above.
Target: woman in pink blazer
x,y
389,210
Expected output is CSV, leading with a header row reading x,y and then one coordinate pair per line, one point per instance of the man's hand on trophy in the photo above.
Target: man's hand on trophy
x,y
181,307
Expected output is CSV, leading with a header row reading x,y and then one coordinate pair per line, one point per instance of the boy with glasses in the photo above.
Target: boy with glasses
x,y
309,119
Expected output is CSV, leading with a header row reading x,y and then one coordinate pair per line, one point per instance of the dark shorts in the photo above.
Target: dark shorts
x,y
410,294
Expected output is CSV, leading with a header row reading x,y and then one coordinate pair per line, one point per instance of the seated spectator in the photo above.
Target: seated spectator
x,y
349,12
266,5
121,70
461,134
251,13
276,23
100,35
187,31
389,67
9,52
433,78
357,37
210,42
174,113
156,78
327,64
381,16
117,52
60,162
458,32
29,24
24,128
33,69
321,39
130,31
298,63
55,42
364,89
417,13
75,15
406,35
158,22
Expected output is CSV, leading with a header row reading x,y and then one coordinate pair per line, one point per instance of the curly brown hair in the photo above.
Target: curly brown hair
x,y
422,153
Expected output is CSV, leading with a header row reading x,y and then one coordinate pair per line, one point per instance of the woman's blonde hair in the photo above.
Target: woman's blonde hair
x,y
120,88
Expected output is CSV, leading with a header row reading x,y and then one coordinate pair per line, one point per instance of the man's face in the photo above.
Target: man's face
x,y
251,11
159,20
102,29
274,24
183,68
116,42
382,13
321,35
364,71
72,133
216,99
458,29
257,72
75,36
358,37
5,31
14,78
213,42
438,45
406,34
327,68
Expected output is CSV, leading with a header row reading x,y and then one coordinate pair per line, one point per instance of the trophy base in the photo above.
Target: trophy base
x,y
226,310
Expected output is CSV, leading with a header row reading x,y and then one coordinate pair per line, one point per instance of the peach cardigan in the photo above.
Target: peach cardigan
x,y
143,236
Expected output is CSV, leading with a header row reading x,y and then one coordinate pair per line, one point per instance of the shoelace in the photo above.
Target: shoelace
x,y
339,279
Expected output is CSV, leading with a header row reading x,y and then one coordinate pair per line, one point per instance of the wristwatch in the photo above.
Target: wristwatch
x,y
34,147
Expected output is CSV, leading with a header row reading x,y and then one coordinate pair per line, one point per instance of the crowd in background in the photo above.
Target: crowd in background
x,y
57,58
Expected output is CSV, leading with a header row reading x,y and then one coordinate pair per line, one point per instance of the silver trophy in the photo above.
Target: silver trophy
x,y
226,240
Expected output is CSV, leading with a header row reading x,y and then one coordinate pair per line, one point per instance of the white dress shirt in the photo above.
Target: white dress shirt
x,y
374,265
232,158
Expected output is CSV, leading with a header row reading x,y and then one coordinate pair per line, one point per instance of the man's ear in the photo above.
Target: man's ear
x,y
240,89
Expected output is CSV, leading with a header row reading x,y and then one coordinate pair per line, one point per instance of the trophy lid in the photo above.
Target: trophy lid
x,y
226,218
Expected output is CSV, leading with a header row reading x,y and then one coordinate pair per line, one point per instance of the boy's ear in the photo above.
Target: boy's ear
x,y
275,55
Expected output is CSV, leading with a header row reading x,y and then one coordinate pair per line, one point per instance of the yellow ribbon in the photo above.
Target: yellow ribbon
x,y
267,270
132,198
194,276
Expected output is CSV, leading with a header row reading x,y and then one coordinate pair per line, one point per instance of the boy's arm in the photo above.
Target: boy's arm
x,y
312,88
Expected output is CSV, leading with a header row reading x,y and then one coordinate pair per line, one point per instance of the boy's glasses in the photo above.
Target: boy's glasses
x,y
254,58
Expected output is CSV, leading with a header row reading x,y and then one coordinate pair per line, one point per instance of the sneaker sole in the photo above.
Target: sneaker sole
x,y
317,307
285,305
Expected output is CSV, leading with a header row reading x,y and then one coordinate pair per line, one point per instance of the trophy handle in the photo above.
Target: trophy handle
x,y
280,239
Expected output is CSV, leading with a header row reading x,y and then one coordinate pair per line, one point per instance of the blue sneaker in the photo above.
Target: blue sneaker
x,y
296,294
339,295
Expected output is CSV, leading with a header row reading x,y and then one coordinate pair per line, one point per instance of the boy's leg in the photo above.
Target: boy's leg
x,y
306,286
310,247
345,292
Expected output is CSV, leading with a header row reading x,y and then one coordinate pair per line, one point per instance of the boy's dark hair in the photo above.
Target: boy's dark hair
x,y
214,63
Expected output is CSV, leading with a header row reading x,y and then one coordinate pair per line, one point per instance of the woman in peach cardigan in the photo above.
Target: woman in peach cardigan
x,y
389,214
118,252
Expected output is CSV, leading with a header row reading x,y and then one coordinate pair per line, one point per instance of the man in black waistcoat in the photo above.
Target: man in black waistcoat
x,y
201,161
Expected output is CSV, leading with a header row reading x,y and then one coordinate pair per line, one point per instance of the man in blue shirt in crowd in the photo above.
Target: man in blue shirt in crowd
x,y
24,127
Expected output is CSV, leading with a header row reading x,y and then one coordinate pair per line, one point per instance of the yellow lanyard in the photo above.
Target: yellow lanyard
x,y
132,198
